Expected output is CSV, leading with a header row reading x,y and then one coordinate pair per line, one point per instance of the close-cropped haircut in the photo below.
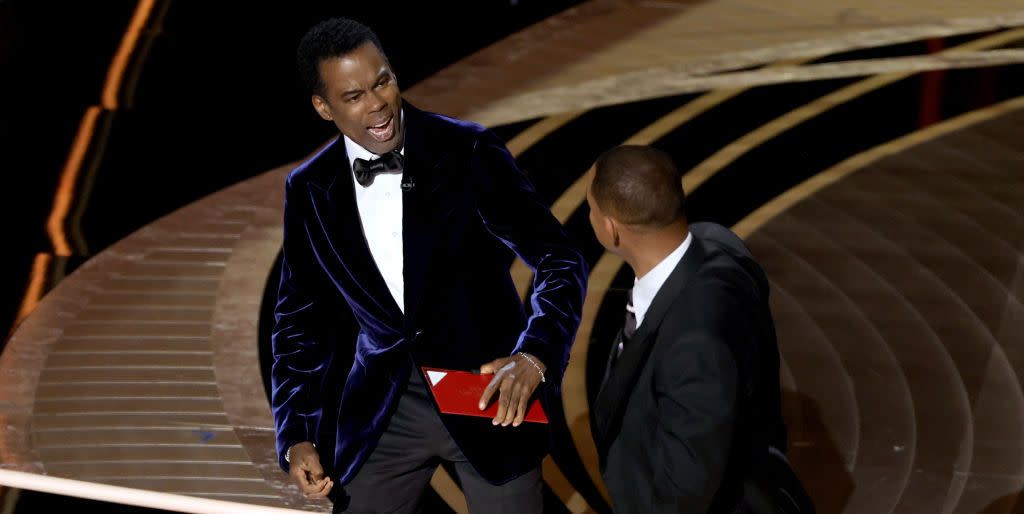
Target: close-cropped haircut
x,y
330,38
639,186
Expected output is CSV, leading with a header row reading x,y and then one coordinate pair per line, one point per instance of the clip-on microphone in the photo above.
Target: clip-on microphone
x,y
408,183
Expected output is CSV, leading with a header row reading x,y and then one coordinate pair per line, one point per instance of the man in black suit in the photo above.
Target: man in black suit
x,y
690,406
407,220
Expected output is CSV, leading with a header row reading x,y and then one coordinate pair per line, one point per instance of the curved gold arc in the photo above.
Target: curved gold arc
x,y
68,178
538,131
608,265
522,276
757,219
36,286
574,385
574,392
449,491
574,395
73,165
576,193
575,399
733,151
119,90
573,196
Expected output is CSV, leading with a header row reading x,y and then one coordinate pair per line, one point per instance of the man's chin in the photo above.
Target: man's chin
x,y
373,146
384,148
390,145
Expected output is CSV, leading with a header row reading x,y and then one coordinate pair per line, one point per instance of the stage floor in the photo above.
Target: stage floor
x,y
870,154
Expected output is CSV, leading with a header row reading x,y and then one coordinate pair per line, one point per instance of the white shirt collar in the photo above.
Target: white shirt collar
x,y
646,287
355,151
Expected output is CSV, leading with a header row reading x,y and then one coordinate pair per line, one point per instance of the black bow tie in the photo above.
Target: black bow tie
x,y
366,170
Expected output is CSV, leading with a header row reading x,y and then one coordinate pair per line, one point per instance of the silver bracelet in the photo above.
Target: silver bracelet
x,y
288,452
530,360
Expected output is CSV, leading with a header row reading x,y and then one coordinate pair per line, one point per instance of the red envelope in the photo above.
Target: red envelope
x,y
459,392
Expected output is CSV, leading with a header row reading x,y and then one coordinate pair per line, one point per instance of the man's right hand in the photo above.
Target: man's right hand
x,y
307,472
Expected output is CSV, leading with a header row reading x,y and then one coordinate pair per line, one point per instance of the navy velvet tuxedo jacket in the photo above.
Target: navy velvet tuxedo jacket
x,y
470,204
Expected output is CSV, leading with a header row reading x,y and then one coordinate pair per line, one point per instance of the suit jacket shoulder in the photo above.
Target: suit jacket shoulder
x,y
720,239
455,133
320,168
707,306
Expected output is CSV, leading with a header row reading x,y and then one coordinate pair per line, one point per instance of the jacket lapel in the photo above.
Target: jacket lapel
x,y
334,202
610,361
611,401
420,212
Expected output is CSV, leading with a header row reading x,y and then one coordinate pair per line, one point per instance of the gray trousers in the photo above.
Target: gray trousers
x,y
415,442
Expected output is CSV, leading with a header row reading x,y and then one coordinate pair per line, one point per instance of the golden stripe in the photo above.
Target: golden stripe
x,y
73,224
574,387
559,484
608,265
66,186
522,275
576,194
573,196
124,52
10,499
812,185
727,155
69,175
574,384
538,131
101,136
446,488
36,284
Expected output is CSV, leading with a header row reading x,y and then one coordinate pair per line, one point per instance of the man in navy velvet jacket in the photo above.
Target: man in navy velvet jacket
x,y
406,221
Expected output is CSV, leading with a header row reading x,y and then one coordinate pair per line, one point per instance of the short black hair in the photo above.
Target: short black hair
x,y
640,186
330,38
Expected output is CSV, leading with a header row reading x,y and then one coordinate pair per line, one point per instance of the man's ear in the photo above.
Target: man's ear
x,y
612,227
321,107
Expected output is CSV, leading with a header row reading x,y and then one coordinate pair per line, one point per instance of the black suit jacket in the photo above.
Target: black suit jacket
x,y
692,401
469,206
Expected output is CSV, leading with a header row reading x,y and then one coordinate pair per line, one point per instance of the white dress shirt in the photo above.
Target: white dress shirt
x,y
380,212
645,288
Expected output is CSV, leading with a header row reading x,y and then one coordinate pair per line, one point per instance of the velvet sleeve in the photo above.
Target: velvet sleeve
x,y
300,355
512,211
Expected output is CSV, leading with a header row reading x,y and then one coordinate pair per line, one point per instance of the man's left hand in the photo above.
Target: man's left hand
x,y
515,379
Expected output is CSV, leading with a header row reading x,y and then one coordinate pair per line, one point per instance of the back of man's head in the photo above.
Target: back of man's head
x,y
330,38
639,186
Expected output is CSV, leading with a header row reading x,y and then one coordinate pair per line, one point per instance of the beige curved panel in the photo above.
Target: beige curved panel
x,y
605,52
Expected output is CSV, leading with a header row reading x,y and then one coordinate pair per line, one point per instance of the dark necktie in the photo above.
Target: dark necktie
x,y
629,327
366,170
